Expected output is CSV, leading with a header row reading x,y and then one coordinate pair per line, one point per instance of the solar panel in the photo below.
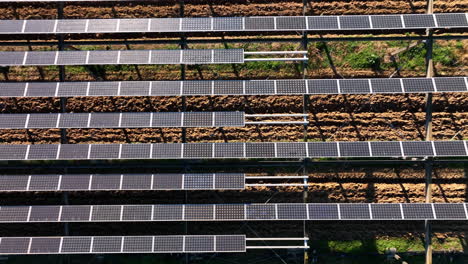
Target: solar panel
x,y
387,21
261,212
417,148
108,57
323,211
291,23
418,211
292,211
355,22
449,148
450,211
199,244
354,149
218,87
322,23
196,212
419,21
354,211
230,212
45,245
386,149
451,20
386,211
322,149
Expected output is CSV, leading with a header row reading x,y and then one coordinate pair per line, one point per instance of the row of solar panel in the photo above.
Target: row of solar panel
x,y
121,244
210,24
122,120
107,57
234,150
95,182
234,87
233,212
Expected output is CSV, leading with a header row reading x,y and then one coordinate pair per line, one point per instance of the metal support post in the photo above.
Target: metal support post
x,y
305,102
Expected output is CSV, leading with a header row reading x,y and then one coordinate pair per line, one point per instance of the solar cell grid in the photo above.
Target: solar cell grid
x,y
322,149
199,243
386,149
167,212
76,244
107,244
291,23
449,211
418,85
135,120
165,25
292,211
103,57
198,150
451,20
103,88
72,58
71,26
44,245
136,182
417,211
419,21
259,23
230,243
449,148
106,213
104,151
323,86
72,89
39,57
196,212
354,86
198,119
354,149
230,212
225,119
137,213
167,119
417,149
134,56
386,211
13,182
291,86
291,150
354,22
229,150
386,86
322,23
76,213
173,150
226,87
134,88
102,25
141,244
323,211
10,26
41,89
450,84
74,120
227,23
11,58
75,182
44,213
198,181
167,181
387,21
12,89
106,182
196,24
17,245
197,56
12,120
229,181
44,182
355,211
44,152
259,87
168,244
261,211
14,213
228,56
133,25
254,150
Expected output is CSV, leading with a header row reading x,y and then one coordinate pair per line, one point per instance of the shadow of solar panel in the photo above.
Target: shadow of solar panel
x,y
134,56
11,58
418,21
12,120
261,212
13,182
12,89
323,149
104,151
76,245
227,87
75,213
199,243
41,245
40,58
354,86
229,119
386,211
135,120
168,244
194,212
230,212
137,182
449,211
103,120
198,119
44,213
196,24
229,150
134,25
165,25
106,213
227,23
292,211
229,181
105,182
167,212
72,89
354,149
102,25
138,244
198,181
198,150
72,58
79,120
75,182
135,88
42,152
450,148
417,149
230,244
355,211
12,152
11,26
322,23
165,57
323,211
12,245
103,57
42,120
103,88
260,150
453,84
386,86
107,244
71,26
44,182
418,211
386,149
41,89
259,23
291,150
167,181
137,213
451,20
418,85
291,23
259,87
386,21
228,56
136,151
167,119
74,151
354,22
196,56
14,213
291,86
323,86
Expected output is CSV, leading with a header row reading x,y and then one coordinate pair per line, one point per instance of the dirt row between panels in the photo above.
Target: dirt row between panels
x,y
228,8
